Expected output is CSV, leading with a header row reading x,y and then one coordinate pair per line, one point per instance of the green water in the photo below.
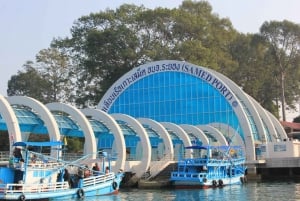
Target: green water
x,y
258,191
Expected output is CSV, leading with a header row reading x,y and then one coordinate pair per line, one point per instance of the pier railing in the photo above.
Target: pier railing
x,y
4,156
211,161
32,188
91,181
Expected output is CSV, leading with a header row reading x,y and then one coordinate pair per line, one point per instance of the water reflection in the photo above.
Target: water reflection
x,y
267,191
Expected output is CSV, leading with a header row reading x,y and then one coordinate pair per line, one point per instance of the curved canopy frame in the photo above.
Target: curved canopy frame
x,y
116,131
197,132
11,120
90,141
215,132
44,114
182,135
163,133
141,132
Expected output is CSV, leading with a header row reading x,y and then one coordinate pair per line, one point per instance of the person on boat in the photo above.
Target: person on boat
x,y
96,169
22,165
67,177
87,172
78,180
19,171
34,158
17,153
107,170
80,173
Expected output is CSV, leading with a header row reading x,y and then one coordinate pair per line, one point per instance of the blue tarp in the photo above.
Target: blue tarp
x,y
39,144
196,147
224,147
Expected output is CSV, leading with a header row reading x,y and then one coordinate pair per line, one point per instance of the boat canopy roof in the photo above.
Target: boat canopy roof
x,y
38,144
224,147
196,147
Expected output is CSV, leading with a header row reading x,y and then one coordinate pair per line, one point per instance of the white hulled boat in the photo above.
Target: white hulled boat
x,y
45,177
211,166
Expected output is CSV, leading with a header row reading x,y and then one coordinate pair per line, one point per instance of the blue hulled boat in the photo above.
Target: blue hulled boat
x,y
211,166
38,176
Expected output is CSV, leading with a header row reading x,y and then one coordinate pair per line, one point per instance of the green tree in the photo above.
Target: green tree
x,y
108,44
75,144
49,79
284,41
254,73
54,66
204,38
105,45
29,82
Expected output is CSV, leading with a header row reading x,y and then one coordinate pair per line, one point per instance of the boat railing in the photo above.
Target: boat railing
x,y
43,165
211,161
52,162
71,156
90,181
225,161
33,188
4,156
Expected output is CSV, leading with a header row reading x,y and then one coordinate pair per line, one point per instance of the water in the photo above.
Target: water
x,y
252,191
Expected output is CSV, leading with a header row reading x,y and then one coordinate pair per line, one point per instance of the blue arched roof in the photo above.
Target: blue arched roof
x,y
175,97
31,122
150,131
126,129
28,120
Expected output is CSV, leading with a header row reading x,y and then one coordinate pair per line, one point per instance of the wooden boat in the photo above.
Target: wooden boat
x,y
46,177
211,166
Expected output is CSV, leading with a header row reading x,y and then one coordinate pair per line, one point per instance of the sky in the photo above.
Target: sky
x,y
26,27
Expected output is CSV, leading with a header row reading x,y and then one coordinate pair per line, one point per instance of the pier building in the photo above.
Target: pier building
x,y
147,116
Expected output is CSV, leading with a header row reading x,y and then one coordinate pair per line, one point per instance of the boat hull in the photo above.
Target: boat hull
x,y
209,183
109,187
216,166
50,178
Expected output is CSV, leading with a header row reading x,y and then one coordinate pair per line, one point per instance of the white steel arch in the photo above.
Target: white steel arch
x,y
182,135
278,128
163,133
197,132
7,112
44,114
266,119
247,102
116,131
141,132
215,132
235,137
90,141
238,93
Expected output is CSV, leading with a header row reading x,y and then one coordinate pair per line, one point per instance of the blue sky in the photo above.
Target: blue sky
x,y
29,26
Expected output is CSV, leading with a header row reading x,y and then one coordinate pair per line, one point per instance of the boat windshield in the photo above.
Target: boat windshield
x,y
216,151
